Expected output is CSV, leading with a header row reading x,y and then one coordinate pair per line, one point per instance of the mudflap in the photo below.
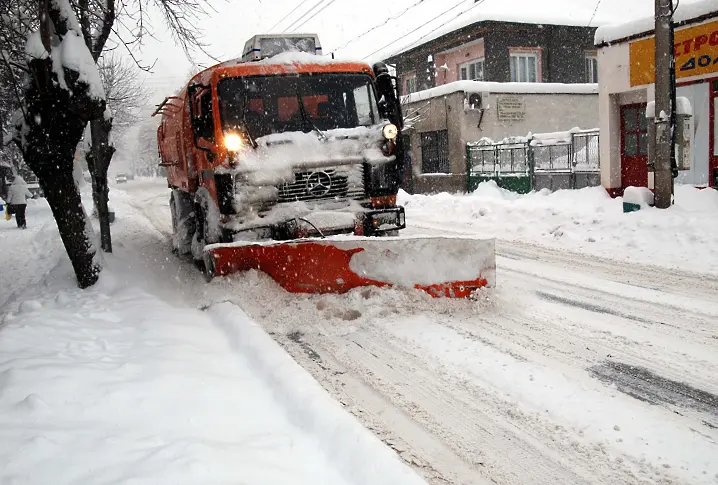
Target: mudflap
x,y
452,267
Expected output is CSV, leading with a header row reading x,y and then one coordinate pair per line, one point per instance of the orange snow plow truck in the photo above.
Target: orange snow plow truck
x,y
289,163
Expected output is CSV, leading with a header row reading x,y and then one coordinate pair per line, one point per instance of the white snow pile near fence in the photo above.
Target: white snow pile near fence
x,y
687,10
113,385
587,220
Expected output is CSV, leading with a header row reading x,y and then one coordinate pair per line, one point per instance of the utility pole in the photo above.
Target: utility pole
x,y
665,119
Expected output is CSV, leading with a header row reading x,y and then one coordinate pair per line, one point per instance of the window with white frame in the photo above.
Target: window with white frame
x,y
524,67
410,84
472,70
591,68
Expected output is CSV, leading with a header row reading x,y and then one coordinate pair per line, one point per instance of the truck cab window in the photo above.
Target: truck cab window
x,y
203,119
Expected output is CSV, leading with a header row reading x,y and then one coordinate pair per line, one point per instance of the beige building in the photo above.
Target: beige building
x,y
626,65
442,120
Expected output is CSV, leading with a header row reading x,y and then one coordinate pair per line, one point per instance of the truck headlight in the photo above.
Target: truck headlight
x,y
390,131
233,142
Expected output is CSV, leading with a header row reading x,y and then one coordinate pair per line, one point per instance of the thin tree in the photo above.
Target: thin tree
x,y
49,55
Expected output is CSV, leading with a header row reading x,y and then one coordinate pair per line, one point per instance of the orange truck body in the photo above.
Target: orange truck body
x,y
183,160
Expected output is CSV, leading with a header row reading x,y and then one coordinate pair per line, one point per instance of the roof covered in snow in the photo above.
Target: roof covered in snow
x,y
686,12
554,12
493,87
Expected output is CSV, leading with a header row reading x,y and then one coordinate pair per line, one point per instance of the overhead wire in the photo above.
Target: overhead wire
x,y
288,15
311,9
595,10
378,26
317,13
478,2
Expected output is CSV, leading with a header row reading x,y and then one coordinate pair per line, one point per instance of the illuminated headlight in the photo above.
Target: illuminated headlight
x,y
233,142
390,131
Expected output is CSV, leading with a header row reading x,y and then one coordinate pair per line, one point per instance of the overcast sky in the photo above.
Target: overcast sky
x,y
233,21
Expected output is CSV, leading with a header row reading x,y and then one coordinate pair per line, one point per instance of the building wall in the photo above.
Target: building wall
x,y
454,58
544,113
615,90
563,52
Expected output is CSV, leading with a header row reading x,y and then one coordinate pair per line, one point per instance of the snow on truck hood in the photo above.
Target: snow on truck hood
x,y
278,155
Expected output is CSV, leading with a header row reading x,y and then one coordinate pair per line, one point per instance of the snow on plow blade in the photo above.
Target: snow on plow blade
x,y
442,266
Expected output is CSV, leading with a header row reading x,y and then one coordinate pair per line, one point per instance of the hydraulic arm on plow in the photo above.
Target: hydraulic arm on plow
x,y
289,163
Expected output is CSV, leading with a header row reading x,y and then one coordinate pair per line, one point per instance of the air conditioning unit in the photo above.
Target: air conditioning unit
x,y
476,101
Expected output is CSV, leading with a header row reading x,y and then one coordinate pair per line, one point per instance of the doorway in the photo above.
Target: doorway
x,y
713,137
634,145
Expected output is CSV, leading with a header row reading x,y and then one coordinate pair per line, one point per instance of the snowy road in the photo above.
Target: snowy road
x,y
575,369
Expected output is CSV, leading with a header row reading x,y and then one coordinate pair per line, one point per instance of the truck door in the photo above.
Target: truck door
x,y
203,130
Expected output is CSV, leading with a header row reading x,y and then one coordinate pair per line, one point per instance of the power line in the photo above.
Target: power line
x,y
479,2
320,11
311,9
287,16
595,10
377,26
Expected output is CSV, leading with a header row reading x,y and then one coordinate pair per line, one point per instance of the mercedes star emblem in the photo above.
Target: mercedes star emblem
x,y
318,184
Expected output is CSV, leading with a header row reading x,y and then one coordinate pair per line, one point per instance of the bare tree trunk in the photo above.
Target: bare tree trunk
x,y
98,162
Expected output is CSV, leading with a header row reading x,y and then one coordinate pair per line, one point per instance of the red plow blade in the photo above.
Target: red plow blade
x,y
441,266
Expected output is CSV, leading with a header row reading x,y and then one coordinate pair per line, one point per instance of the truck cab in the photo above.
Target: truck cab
x,y
282,144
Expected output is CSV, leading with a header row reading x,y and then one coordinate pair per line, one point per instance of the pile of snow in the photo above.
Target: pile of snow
x,y
686,11
499,88
587,220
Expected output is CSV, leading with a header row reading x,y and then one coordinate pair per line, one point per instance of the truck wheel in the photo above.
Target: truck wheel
x,y
183,222
207,226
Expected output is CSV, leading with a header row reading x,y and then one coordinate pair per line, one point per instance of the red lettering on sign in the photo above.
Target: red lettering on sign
x,y
714,38
700,41
676,50
687,46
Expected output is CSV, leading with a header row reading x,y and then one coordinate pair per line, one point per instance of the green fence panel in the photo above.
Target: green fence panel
x,y
520,184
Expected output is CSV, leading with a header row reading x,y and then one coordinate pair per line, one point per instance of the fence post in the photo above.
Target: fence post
x,y
532,165
468,169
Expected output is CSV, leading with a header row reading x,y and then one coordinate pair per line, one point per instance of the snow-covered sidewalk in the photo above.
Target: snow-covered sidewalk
x,y
122,384
586,221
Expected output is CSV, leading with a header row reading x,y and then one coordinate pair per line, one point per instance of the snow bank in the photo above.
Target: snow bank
x,y
587,220
499,88
352,449
686,11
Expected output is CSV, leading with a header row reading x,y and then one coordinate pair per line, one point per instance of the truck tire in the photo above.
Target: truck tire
x,y
206,223
183,222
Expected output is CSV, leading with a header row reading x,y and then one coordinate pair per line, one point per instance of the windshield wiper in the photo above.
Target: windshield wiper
x,y
305,116
243,120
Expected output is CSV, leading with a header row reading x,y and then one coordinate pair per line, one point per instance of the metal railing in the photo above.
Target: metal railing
x,y
571,162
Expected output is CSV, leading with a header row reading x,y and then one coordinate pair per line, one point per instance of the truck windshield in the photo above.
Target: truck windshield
x,y
276,104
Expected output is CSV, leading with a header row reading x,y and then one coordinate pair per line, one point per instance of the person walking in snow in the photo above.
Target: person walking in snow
x,y
17,196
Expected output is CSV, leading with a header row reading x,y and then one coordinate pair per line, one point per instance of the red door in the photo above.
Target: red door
x,y
713,137
634,146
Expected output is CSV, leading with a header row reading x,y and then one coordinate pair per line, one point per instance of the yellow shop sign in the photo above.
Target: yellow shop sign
x,y
695,48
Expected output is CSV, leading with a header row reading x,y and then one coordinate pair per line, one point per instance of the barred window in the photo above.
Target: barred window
x,y
435,152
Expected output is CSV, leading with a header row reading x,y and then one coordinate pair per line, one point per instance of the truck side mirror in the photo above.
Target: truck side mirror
x,y
388,91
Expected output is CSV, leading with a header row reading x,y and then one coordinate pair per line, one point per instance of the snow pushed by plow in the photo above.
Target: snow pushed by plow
x,y
441,266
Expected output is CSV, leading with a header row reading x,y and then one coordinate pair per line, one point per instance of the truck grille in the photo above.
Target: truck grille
x,y
326,184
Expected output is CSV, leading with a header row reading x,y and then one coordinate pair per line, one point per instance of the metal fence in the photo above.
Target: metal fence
x,y
535,164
